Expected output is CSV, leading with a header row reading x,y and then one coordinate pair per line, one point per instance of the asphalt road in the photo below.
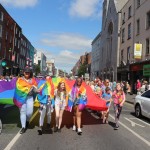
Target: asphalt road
x,y
132,135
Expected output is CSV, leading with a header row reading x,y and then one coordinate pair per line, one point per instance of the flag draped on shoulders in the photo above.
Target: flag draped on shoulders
x,y
77,96
22,90
46,89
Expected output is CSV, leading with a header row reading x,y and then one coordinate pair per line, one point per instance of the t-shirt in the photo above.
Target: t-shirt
x,y
107,96
118,97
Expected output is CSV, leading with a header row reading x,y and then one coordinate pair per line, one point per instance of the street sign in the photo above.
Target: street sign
x,y
146,70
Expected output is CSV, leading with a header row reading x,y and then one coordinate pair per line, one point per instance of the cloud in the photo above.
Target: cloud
x,y
67,41
85,8
19,3
65,59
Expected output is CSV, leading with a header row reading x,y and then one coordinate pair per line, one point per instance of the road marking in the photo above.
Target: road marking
x,y
134,133
133,123
13,141
34,115
141,121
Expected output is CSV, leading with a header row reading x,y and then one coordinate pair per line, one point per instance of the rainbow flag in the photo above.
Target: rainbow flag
x,y
47,89
22,90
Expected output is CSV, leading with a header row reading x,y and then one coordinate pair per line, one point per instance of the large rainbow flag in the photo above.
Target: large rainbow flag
x,y
8,92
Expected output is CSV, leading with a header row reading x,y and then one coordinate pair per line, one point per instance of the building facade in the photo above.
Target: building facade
x,y
10,41
95,55
135,16
40,59
110,39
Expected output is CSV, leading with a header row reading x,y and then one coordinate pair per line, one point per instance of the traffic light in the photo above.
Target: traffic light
x,y
3,63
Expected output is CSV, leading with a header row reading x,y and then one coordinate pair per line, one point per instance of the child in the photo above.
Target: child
x,y
106,96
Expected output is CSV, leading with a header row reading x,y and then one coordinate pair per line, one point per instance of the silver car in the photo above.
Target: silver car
x,y
142,105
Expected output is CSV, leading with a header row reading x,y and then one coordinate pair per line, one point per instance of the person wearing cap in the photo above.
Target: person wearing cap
x,y
26,110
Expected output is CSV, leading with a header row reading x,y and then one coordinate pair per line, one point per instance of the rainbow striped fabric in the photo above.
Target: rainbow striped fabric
x,y
77,97
22,90
47,89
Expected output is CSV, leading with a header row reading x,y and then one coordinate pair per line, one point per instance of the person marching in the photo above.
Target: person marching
x,y
61,97
108,97
23,97
45,97
79,98
119,99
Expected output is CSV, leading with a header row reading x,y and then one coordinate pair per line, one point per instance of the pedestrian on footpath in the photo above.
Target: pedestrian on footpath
x,y
78,95
26,87
138,86
118,99
61,97
45,99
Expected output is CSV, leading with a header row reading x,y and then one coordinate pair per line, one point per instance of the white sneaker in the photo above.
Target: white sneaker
x,y
79,131
74,128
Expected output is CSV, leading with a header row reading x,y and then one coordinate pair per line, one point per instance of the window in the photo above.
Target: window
x,y
128,55
0,30
6,35
147,46
148,20
122,51
129,31
1,16
138,27
138,3
0,46
10,39
123,19
15,41
146,94
123,35
16,30
129,12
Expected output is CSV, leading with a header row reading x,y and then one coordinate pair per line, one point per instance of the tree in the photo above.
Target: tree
x,y
82,70
37,69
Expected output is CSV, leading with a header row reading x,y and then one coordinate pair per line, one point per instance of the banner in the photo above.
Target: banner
x,y
137,51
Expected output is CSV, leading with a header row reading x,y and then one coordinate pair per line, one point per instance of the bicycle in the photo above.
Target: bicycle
x,y
1,126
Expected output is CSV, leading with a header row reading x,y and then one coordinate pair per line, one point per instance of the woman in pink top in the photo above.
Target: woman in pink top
x,y
119,99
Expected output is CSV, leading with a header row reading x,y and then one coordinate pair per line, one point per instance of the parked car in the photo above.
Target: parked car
x,y
142,105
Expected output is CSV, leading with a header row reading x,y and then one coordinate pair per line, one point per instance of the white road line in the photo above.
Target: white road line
x,y
134,133
13,141
141,121
133,124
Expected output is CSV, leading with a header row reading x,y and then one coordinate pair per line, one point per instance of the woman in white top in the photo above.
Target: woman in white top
x,y
60,104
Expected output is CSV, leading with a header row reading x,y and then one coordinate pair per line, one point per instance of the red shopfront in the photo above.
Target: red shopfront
x,y
136,72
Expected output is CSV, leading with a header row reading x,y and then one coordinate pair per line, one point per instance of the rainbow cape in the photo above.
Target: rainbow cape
x,y
47,89
21,91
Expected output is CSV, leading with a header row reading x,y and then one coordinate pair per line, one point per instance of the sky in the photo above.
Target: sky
x,y
62,29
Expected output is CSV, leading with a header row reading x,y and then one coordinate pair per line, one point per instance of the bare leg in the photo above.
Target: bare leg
x,y
78,115
60,118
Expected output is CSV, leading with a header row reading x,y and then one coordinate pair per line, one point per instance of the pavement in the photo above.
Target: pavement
x,y
130,98
133,133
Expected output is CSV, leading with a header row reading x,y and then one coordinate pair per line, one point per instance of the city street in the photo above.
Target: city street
x,y
133,133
